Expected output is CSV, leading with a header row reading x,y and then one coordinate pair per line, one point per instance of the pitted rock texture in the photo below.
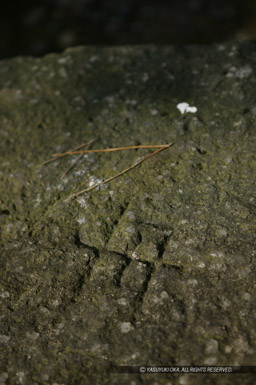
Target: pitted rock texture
x,y
158,266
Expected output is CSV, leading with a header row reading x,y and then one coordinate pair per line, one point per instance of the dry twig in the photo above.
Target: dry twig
x,y
162,147
77,159
72,152
78,151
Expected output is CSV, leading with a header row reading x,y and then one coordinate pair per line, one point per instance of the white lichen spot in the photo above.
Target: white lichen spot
x,y
189,241
201,265
167,233
184,380
153,112
243,273
122,301
3,377
94,58
21,377
247,296
253,110
212,347
221,47
126,327
5,294
80,220
222,232
44,309
228,349
110,99
134,256
33,335
164,295
37,200
79,100
82,202
63,73
185,107
94,180
145,77
238,123
243,72
141,266
211,361
4,339
62,60
96,348
228,159
192,282
130,229
130,215
132,102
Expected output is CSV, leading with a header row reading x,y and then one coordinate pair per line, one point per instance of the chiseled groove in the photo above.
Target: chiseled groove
x,y
161,246
140,297
118,277
119,274
123,210
80,244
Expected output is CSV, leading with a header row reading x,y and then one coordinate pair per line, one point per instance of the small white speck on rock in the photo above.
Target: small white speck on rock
x,y
4,339
211,361
81,220
212,346
122,301
126,327
5,294
33,335
185,107
243,72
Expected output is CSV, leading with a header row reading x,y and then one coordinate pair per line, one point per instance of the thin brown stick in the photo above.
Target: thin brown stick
x,y
77,159
71,166
109,150
65,154
120,173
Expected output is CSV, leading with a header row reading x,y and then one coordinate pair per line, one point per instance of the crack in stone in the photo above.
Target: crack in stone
x,y
80,244
123,209
118,275
144,288
161,246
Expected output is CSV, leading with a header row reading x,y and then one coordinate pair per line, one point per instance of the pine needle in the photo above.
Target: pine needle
x,y
70,168
162,147
68,152
107,150
77,159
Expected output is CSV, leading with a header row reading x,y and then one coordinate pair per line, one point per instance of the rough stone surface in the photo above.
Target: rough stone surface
x,y
156,267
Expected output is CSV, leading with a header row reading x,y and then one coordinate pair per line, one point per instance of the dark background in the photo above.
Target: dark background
x,y
37,27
